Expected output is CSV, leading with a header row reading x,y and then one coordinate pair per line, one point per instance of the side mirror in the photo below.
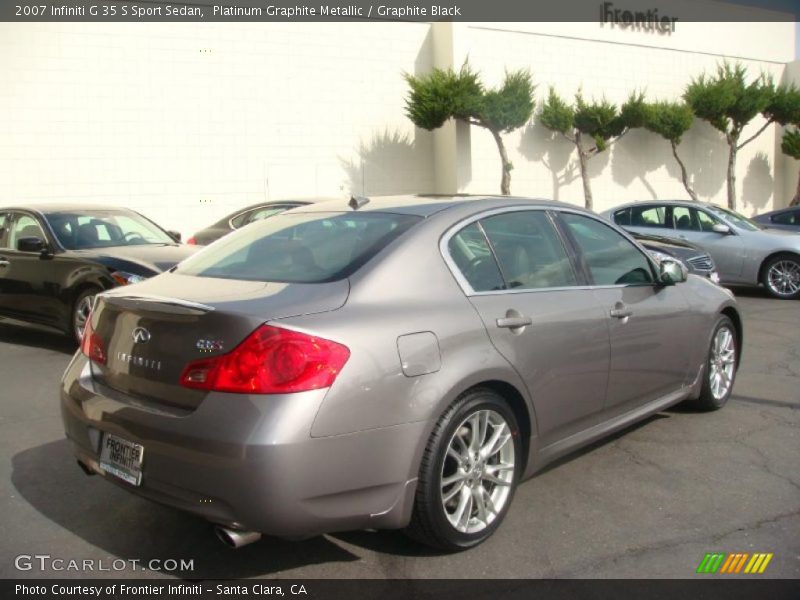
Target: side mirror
x,y
175,235
31,244
672,272
720,228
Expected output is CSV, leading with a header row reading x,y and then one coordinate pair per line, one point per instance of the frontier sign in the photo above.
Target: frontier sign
x,y
636,19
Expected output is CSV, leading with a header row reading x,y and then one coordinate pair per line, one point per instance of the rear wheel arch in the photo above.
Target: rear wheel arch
x,y
734,316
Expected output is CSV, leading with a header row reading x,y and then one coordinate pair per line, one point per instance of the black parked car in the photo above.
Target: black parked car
x,y
696,260
55,258
784,218
245,216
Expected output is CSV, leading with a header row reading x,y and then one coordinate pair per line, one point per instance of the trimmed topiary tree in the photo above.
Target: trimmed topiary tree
x,y
441,95
671,120
599,120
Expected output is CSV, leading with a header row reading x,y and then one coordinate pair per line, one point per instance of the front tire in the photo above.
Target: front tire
x,y
80,313
781,276
469,473
721,366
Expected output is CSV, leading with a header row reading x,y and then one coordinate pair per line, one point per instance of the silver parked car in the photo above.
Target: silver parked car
x,y
784,218
388,363
745,253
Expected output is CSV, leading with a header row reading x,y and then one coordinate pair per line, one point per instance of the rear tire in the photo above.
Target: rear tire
x,y
721,365
781,276
80,312
468,474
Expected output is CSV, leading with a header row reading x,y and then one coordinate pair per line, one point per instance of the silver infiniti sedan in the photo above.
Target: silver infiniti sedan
x,y
745,252
399,362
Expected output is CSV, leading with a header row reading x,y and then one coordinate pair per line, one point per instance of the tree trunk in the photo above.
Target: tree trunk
x,y
796,200
505,179
684,175
732,143
582,159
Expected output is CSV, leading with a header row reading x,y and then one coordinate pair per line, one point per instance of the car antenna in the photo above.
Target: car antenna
x,y
357,202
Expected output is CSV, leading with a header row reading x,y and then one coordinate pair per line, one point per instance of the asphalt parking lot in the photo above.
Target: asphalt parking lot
x,y
649,502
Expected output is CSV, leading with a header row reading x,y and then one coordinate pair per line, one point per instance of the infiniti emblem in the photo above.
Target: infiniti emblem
x,y
141,335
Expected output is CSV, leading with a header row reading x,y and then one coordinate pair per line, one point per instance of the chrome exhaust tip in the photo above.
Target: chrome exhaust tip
x,y
234,538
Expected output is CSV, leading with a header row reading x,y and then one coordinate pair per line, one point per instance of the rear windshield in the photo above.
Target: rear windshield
x,y
299,247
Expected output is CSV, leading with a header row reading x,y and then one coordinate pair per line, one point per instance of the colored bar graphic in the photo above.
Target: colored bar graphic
x,y
721,562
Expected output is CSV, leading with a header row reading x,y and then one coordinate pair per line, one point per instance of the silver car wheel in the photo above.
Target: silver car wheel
x,y
478,471
82,309
783,278
722,363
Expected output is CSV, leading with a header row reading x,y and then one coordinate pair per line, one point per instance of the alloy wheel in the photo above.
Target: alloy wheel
x,y
722,362
783,278
82,309
478,471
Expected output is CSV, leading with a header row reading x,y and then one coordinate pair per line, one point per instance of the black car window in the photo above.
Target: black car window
x,y
648,216
787,218
623,217
3,230
705,220
299,247
529,250
266,211
611,259
473,257
240,219
24,226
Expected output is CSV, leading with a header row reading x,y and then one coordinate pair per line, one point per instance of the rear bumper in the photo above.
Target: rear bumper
x,y
249,462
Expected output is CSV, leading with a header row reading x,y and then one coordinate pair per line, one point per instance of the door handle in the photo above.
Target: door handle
x,y
620,311
513,322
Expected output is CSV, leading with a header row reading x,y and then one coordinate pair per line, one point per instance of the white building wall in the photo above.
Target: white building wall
x,y
186,122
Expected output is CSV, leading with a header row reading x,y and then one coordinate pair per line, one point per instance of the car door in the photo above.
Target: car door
x,y
727,249
520,279
30,287
649,324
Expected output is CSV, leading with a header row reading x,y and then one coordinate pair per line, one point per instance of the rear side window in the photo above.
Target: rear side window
x,y
473,257
647,216
299,247
611,259
529,250
787,218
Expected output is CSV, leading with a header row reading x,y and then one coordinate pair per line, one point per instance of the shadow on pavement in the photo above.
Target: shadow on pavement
x,y
129,527
35,337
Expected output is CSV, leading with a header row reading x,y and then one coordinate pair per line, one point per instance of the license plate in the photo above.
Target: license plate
x,y
122,458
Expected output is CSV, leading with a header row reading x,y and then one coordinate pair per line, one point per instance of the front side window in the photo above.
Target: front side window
x,y
25,226
609,256
682,218
470,250
299,247
529,250
787,218
102,229
705,220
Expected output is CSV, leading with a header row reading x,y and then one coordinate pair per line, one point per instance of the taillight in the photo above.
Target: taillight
x,y
192,241
270,360
91,344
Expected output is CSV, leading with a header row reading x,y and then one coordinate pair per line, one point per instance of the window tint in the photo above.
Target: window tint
x,y
267,211
25,226
623,217
529,250
787,218
648,216
3,231
473,257
300,247
611,259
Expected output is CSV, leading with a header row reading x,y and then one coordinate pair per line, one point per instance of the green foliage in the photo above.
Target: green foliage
x,y
791,143
509,106
726,100
441,95
785,105
670,120
556,115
